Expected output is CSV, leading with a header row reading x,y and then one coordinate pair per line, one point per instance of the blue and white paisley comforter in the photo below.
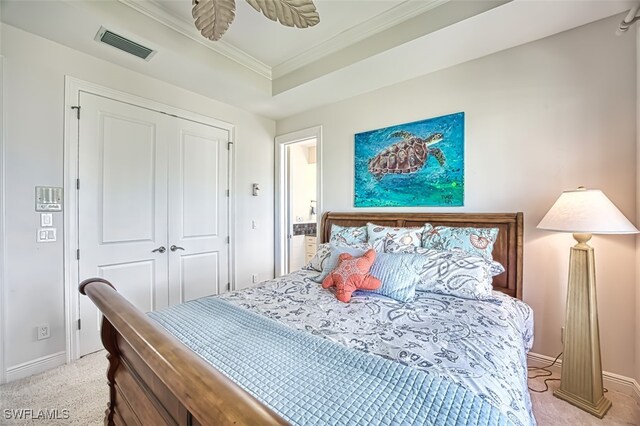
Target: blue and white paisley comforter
x,y
481,345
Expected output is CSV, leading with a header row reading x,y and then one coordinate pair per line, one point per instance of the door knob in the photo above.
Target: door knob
x,y
175,247
160,249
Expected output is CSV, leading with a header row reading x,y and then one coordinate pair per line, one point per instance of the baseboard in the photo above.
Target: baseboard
x,y
611,381
36,366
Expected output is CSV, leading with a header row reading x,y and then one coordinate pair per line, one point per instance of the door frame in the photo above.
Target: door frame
x,y
281,143
73,88
3,251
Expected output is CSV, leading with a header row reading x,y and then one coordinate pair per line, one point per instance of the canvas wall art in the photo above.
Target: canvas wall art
x,y
419,164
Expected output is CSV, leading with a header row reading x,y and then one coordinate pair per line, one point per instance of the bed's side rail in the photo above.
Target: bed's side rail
x,y
155,378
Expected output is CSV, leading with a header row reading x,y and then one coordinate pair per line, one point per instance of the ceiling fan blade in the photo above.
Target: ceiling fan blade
x,y
291,13
213,17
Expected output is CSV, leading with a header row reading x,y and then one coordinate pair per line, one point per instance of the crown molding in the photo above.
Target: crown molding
x,y
156,12
383,21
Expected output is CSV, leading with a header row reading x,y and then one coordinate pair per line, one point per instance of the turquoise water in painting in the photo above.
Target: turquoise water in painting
x,y
432,185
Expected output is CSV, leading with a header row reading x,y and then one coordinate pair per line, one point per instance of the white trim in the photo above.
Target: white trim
x,y
232,208
158,13
385,20
35,366
612,381
73,87
280,219
3,204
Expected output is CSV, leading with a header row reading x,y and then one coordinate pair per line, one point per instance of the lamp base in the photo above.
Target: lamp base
x,y
599,409
581,380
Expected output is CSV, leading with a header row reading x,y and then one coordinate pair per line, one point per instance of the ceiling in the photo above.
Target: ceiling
x,y
264,67
276,43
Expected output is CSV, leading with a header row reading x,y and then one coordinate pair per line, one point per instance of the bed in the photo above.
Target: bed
x,y
156,377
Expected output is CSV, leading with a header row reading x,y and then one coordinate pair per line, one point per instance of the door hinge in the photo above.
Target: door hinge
x,y
229,145
228,240
78,254
229,286
77,183
77,108
228,193
79,324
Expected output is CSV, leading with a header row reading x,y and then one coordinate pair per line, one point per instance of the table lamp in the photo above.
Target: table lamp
x,y
583,212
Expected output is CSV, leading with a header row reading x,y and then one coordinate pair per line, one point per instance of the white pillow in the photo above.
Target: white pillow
x,y
386,239
336,250
319,259
457,274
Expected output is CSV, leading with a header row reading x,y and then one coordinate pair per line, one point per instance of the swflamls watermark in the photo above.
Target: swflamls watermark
x,y
35,414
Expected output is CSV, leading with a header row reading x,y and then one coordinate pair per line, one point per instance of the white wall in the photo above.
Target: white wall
x,y
540,118
35,70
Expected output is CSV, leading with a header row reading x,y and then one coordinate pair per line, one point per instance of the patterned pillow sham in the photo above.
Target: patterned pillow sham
x,y
386,239
458,274
495,267
399,273
348,235
319,259
473,241
335,251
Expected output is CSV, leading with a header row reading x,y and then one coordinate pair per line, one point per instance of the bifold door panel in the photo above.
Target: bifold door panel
x,y
152,208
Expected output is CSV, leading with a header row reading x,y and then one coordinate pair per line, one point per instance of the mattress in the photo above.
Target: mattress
x,y
480,346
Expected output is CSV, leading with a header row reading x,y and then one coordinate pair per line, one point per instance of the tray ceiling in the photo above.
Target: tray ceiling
x,y
263,67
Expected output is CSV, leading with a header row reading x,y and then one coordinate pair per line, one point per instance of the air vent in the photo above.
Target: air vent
x,y
124,44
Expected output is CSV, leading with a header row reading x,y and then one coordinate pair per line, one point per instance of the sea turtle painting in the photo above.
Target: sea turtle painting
x,y
415,164
409,155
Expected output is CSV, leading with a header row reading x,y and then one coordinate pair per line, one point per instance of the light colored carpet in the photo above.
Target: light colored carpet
x,y
82,389
550,410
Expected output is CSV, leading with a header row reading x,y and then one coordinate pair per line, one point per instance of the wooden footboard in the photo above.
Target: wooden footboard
x,y
155,380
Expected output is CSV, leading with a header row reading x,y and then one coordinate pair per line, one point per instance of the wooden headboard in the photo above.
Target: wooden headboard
x,y
507,250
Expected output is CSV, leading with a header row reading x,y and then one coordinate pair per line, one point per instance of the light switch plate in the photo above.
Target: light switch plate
x,y
48,199
46,219
46,235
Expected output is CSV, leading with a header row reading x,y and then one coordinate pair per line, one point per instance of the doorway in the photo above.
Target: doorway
x,y
298,165
152,206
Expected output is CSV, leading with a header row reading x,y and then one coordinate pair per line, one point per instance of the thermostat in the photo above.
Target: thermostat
x,y
48,199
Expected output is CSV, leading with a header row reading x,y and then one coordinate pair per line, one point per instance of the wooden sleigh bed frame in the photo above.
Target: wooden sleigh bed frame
x,y
155,380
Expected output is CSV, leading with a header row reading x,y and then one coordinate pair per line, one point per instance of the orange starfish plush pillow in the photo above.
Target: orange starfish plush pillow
x,y
352,274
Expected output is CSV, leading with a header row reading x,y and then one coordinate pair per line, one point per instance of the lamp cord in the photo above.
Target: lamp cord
x,y
547,373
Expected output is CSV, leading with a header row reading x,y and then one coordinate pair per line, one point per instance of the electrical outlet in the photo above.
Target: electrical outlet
x,y
254,278
562,335
43,331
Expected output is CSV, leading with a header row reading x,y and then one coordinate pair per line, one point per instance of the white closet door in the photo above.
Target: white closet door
x,y
122,205
198,208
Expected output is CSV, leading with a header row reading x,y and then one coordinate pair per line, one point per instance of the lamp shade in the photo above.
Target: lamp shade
x,y
586,211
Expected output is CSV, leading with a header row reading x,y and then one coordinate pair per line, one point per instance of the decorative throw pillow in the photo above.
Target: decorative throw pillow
x,y
399,273
352,274
319,259
473,241
335,251
348,235
386,239
458,274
